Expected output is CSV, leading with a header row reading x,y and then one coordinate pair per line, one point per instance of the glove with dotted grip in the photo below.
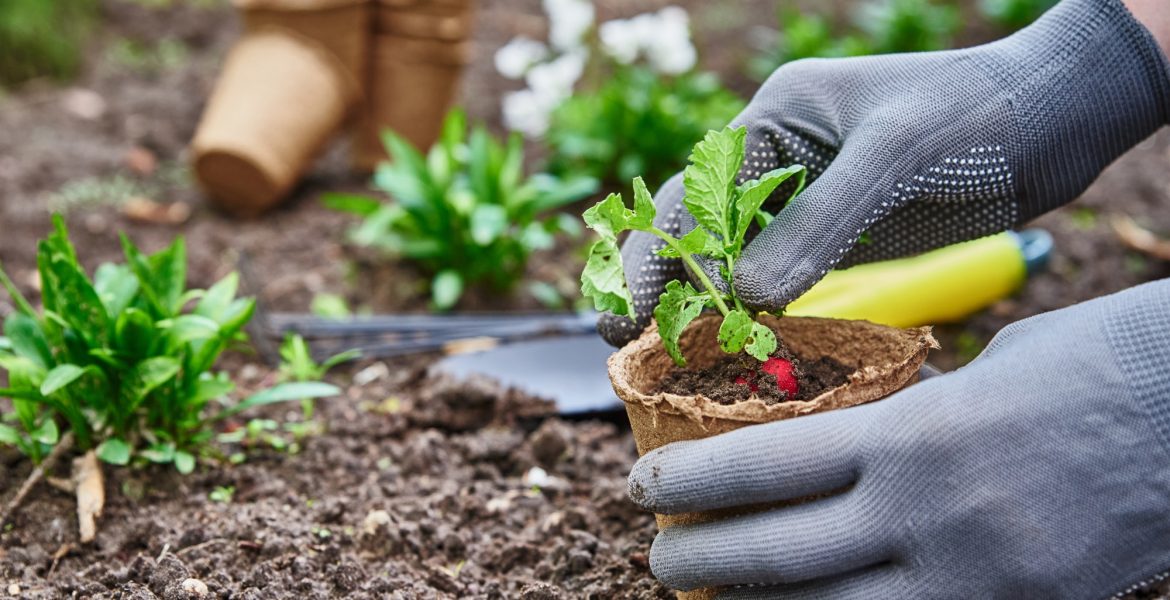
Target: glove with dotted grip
x,y
1040,470
924,150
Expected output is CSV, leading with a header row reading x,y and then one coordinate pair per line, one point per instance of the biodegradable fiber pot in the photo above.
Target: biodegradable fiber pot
x,y
887,360
418,52
278,99
339,26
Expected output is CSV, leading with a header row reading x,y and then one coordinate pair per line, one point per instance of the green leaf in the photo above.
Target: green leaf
x,y
147,376
488,222
188,328
698,241
331,306
60,377
604,281
10,435
159,453
609,217
22,304
210,387
446,289
282,393
47,433
739,332
762,343
340,358
116,285
68,292
114,451
644,210
752,194
677,307
169,268
710,179
134,333
362,206
27,339
184,462
218,298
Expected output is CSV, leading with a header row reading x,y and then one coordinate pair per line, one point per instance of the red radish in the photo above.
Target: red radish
x,y
741,380
782,369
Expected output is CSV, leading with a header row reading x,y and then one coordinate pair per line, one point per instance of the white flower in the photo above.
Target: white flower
x,y
517,56
670,50
568,20
672,59
527,112
619,40
554,80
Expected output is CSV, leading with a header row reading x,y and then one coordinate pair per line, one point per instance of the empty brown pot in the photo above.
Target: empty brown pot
x,y
418,52
278,99
887,360
340,26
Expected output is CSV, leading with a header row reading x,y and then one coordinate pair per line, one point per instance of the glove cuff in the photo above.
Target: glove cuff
x,y
1138,328
1087,82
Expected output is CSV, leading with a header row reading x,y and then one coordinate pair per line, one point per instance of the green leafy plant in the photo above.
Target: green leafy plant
x,y
1014,14
464,213
125,359
880,27
42,38
222,494
804,35
297,364
637,122
724,212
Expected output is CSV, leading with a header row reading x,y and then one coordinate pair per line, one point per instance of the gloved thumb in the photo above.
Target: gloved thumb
x,y
810,235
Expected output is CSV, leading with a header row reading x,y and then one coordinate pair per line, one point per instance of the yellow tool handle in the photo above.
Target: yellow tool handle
x,y
940,286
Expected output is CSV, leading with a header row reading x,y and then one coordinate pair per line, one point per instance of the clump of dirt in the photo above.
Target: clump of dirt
x,y
738,377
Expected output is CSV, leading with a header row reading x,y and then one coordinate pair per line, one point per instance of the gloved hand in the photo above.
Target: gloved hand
x,y
1040,470
925,150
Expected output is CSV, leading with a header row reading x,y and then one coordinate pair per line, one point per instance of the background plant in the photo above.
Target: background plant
x,y
640,105
124,360
42,38
297,364
464,213
878,27
1014,14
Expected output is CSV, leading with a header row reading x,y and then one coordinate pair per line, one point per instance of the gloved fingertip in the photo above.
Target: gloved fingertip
x,y
618,331
769,289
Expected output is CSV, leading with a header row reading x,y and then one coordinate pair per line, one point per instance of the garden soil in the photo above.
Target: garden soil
x,y
737,378
417,488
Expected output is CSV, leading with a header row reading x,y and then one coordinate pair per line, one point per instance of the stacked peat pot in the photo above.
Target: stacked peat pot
x,y
304,69
417,51
886,359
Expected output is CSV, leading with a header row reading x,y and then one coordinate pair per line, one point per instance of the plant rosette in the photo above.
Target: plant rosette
x,y
883,359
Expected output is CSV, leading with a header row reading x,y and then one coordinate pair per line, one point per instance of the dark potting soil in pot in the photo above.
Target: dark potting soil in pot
x,y
737,378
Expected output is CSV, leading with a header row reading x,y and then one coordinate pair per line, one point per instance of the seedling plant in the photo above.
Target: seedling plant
x,y
124,360
724,212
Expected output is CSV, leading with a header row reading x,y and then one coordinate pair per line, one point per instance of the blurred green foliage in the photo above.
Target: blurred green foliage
x,y
42,38
1014,14
878,27
637,123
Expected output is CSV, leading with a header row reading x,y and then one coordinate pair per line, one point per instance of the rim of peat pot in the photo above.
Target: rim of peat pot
x,y
886,360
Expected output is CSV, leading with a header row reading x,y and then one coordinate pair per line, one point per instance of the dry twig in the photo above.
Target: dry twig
x,y
63,445
1141,239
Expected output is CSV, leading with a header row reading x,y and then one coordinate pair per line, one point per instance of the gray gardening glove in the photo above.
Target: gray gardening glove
x,y
925,150
1040,470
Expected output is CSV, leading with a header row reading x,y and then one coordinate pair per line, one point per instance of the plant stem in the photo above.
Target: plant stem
x,y
689,260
